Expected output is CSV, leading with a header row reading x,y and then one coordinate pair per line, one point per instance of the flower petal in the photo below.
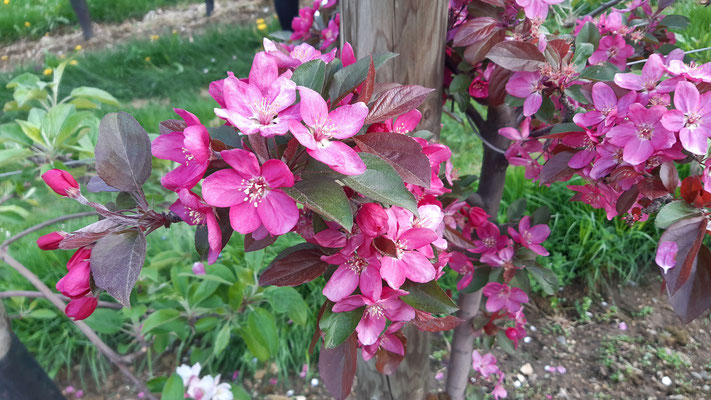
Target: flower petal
x,y
278,212
244,218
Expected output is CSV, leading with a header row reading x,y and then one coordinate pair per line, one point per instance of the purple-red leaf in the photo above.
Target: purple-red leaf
x,y
669,176
123,152
294,266
497,85
96,184
688,234
397,101
400,151
517,56
368,88
474,30
250,244
694,298
424,321
337,367
626,200
88,234
116,262
556,167
171,125
476,52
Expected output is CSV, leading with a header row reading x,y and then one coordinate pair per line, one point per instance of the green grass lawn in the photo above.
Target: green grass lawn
x,y
33,18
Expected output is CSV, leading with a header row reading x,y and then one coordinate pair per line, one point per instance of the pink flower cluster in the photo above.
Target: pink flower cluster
x,y
308,26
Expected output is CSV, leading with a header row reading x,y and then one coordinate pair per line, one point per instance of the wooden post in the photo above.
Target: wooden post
x,y
416,30
20,375
81,9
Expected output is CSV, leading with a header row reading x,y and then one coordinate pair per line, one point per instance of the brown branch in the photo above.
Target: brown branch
x,y
32,294
43,225
115,358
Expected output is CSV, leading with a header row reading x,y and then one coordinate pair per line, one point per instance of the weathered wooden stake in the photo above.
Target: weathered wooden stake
x,y
81,9
416,30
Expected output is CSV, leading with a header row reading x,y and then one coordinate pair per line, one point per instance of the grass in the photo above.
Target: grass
x,y
697,35
34,18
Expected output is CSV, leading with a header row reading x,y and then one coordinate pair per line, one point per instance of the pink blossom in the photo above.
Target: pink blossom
x,y
297,56
61,182
623,326
607,107
408,258
330,34
76,283
490,239
692,117
485,365
264,104
652,72
301,25
377,311
528,86
194,211
50,241
479,88
666,255
251,192
692,72
190,148
642,135
597,195
500,296
536,9
216,89
613,49
406,122
372,219
81,308
609,157
357,267
531,237
499,258
499,392
463,265
387,341
323,126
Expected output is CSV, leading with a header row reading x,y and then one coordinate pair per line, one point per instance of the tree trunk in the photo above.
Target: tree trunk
x,y
81,9
21,377
489,193
416,30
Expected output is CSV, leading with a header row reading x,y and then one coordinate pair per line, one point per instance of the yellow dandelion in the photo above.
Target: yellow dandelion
x,y
27,24
73,62
262,27
260,20
62,56
77,47
48,71
3,58
154,38
148,59
175,31
6,2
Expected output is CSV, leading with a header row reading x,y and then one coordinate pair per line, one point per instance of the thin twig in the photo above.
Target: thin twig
x,y
488,144
686,52
476,117
32,294
115,358
594,13
43,225
68,164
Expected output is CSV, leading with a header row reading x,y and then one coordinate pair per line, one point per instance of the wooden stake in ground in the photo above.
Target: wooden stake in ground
x,y
416,30
81,9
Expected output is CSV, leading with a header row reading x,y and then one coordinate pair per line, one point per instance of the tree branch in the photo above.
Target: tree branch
x,y
43,225
32,294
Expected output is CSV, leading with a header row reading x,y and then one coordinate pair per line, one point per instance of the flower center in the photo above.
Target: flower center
x,y
376,310
644,131
612,52
264,111
255,190
196,217
489,241
188,155
357,263
399,248
692,120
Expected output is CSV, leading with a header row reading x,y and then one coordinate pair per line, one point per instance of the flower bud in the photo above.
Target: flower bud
x,y
198,268
81,256
76,283
62,182
81,308
477,216
372,219
50,241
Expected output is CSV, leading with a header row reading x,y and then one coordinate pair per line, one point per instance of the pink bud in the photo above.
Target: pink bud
x,y
76,283
439,376
50,241
623,326
62,182
81,308
477,216
79,394
199,268
273,381
81,256
372,219
69,389
141,395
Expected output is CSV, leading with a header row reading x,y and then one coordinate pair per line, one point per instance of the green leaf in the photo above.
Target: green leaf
x,y
516,209
31,131
348,78
207,277
53,121
227,135
159,318
673,212
235,295
428,297
566,127
588,34
42,313
105,320
288,300
583,51
324,196
26,79
337,327
479,279
260,334
239,393
222,339
9,156
311,74
91,93
381,183
76,126
604,72
545,277
547,110
173,389
575,93
675,22
504,342
460,84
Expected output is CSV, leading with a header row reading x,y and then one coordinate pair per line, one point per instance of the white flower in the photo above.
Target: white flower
x,y
188,373
203,389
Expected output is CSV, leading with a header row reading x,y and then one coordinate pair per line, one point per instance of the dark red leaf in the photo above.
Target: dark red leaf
x,y
397,101
669,176
387,362
692,191
96,184
317,330
337,367
688,234
88,234
250,244
385,246
424,321
694,297
366,92
456,238
474,30
123,152
400,151
652,188
517,56
294,266
556,50
497,85
626,200
171,125
116,262
476,52
556,168
258,144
